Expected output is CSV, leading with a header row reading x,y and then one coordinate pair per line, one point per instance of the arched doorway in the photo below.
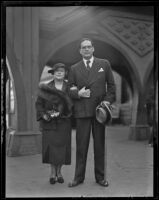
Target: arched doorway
x,y
69,54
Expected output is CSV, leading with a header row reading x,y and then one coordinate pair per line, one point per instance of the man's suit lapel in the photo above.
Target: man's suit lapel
x,y
83,71
93,74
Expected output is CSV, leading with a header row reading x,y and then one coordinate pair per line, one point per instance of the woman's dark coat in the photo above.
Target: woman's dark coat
x,y
56,134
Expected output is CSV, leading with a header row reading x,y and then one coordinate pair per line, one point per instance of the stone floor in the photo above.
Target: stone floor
x,y
129,171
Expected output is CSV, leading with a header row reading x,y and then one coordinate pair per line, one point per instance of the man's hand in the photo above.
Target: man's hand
x,y
73,87
105,103
111,107
83,92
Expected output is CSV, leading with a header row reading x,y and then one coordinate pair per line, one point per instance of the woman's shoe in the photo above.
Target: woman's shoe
x,y
52,180
60,179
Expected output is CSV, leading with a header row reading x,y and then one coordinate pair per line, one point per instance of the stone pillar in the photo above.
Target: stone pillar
x,y
25,42
139,129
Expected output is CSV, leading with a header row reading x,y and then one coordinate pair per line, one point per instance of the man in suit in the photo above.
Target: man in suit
x,y
91,82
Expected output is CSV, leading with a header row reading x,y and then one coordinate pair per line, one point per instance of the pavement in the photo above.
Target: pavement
x,y
129,171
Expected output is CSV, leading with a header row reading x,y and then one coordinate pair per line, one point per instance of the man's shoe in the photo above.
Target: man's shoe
x,y
74,183
103,183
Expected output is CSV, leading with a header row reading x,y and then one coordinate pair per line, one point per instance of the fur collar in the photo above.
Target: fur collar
x,y
49,90
50,93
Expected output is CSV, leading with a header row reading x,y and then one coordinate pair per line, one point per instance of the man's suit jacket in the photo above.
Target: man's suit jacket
x,y
100,81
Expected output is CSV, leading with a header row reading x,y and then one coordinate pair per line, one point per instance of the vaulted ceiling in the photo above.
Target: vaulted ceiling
x,y
56,20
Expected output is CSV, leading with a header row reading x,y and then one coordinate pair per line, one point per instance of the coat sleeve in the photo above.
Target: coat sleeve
x,y
110,94
73,93
40,110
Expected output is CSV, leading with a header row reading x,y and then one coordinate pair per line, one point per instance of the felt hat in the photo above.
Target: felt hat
x,y
103,113
56,66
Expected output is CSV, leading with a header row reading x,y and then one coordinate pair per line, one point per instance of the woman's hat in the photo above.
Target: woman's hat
x,y
56,66
103,113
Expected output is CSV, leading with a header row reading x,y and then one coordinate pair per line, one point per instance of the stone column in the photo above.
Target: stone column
x,y
25,40
139,129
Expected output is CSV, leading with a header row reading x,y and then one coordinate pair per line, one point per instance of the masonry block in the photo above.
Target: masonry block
x,y
23,143
139,132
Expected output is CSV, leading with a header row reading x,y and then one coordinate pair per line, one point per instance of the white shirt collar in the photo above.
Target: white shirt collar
x,y
91,61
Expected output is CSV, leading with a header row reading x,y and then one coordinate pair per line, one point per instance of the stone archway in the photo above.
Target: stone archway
x,y
68,52
130,67
97,31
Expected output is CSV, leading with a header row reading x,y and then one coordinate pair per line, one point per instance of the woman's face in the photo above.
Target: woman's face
x,y
59,74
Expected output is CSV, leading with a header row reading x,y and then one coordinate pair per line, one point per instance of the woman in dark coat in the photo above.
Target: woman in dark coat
x,y
54,109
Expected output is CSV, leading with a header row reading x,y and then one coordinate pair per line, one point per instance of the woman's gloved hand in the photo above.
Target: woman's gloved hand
x,y
47,117
53,113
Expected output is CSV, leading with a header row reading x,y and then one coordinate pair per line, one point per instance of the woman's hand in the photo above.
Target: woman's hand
x,y
46,117
56,114
53,114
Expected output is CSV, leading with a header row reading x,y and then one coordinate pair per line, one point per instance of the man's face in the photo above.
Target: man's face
x,y
86,49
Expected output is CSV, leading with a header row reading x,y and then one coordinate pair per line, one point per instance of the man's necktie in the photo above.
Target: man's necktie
x,y
88,66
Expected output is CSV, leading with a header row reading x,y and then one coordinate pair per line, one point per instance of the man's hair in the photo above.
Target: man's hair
x,y
84,39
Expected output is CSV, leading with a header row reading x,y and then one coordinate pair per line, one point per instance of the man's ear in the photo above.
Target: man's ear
x,y
80,51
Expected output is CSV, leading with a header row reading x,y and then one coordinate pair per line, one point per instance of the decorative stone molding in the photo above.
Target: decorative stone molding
x,y
55,26
136,33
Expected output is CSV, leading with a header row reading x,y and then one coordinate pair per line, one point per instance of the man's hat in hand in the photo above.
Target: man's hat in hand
x,y
103,113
